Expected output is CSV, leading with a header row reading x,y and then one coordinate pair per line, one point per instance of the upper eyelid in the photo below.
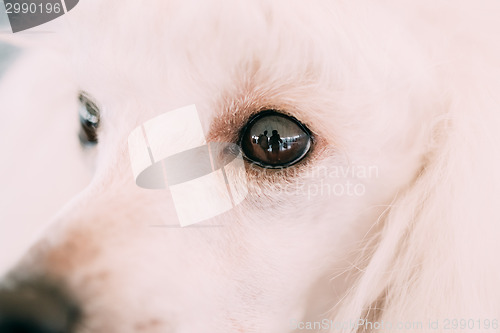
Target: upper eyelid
x,y
255,116
229,125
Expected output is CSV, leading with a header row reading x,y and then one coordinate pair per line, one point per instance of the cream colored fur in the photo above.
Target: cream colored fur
x,y
411,88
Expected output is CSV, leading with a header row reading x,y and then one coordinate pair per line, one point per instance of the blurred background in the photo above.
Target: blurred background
x,y
7,52
7,55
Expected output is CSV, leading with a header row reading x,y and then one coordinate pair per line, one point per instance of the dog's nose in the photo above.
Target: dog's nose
x,y
36,307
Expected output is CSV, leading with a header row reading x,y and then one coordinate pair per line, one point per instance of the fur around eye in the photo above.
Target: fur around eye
x,y
275,140
89,119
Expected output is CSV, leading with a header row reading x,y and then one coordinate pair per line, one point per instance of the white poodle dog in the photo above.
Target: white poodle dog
x,y
370,135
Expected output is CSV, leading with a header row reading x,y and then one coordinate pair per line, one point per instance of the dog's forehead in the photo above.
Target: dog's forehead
x,y
174,45
176,53
190,27
277,53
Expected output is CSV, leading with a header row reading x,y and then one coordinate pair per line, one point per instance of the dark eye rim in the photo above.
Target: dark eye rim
x,y
89,123
272,112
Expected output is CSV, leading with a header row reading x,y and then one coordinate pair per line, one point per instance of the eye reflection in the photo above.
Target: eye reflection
x,y
275,140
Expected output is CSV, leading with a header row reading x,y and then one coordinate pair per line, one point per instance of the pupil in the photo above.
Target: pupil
x,y
275,140
271,144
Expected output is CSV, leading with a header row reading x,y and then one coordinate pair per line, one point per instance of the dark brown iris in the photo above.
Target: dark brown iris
x,y
274,140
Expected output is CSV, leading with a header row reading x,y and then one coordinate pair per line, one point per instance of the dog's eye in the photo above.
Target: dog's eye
x,y
275,140
89,119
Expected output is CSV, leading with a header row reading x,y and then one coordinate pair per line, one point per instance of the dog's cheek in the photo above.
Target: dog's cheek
x,y
157,274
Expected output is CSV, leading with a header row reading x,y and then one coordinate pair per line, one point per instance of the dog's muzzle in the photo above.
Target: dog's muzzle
x,y
36,307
